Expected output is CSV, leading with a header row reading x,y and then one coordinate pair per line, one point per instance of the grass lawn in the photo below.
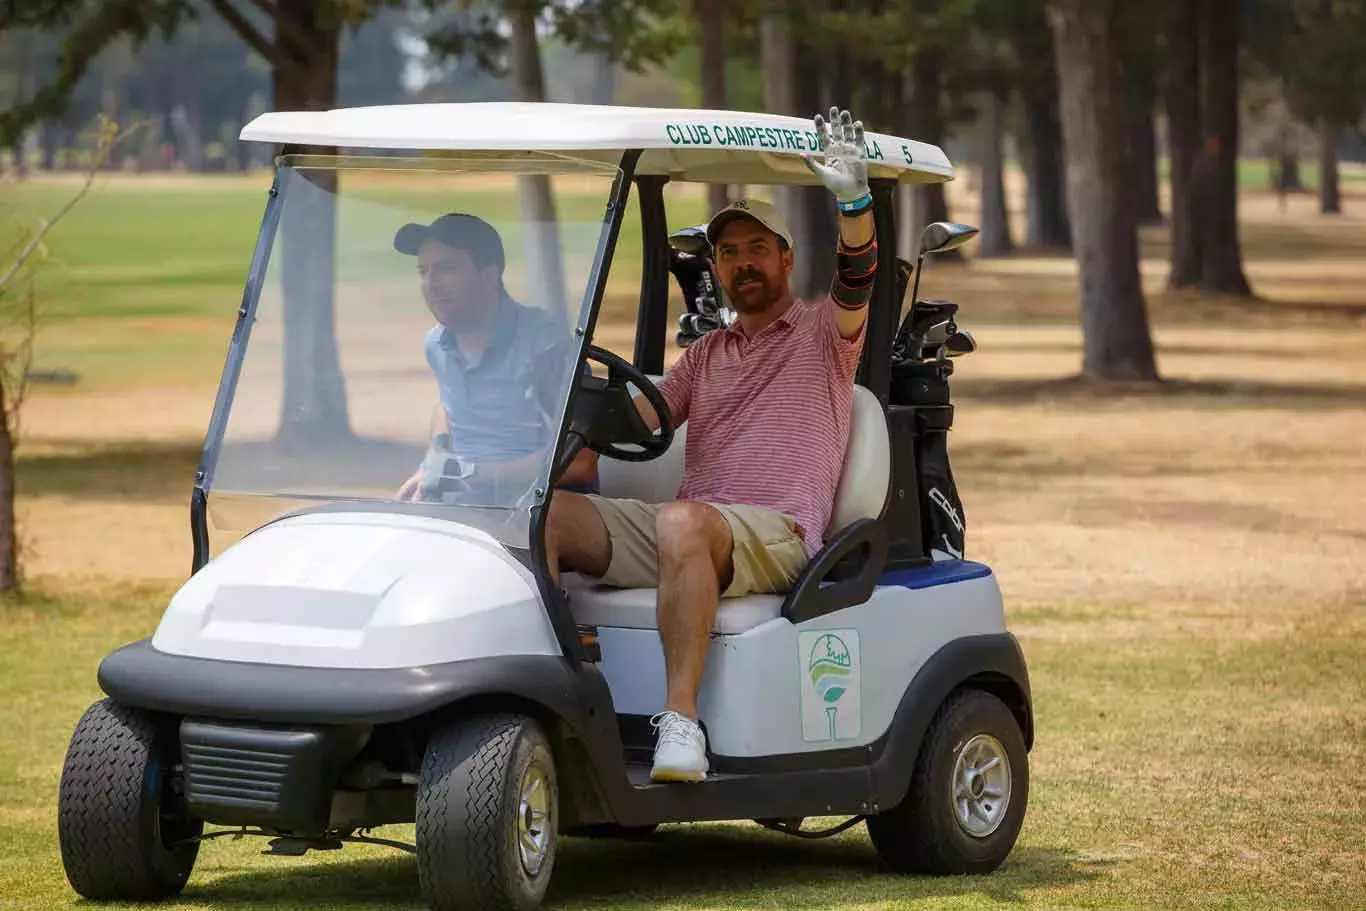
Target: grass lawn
x,y
1185,568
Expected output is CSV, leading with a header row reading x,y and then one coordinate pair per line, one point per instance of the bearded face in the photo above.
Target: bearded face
x,y
752,266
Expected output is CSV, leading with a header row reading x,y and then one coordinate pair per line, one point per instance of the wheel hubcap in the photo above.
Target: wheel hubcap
x,y
981,786
533,819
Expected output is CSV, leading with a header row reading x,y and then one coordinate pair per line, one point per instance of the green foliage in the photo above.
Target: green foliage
x,y
892,34
94,23
633,33
1316,49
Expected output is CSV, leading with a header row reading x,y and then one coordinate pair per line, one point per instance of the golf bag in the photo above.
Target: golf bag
x,y
691,264
942,521
920,409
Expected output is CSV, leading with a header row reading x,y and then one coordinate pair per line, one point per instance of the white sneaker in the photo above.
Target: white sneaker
x,y
681,749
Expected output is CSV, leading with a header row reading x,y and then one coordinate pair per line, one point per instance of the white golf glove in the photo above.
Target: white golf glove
x,y
845,171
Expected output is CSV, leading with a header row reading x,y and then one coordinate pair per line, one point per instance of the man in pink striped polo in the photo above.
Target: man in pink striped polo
x,y
768,403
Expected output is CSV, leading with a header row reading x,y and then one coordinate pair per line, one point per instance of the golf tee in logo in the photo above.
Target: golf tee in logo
x,y
830,670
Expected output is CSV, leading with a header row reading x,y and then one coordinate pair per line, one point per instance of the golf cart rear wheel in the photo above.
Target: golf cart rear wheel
x,y
967,795
123,829
487,815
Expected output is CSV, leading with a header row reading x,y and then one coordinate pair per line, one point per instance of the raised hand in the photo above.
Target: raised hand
x,y
845,168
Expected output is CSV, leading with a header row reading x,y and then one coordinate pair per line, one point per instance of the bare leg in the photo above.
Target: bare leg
x,y
694,554
575,536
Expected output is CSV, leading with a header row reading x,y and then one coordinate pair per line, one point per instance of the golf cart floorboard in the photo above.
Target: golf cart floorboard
x,y
732,795
638,773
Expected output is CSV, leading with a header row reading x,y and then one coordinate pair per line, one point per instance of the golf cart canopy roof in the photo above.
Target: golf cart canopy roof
x,y
685,144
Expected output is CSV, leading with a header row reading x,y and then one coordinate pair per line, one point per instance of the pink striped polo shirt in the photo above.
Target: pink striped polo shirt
x,y
768,417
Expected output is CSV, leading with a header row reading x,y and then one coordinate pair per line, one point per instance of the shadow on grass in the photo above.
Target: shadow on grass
x,y
679,866
1176,348
145,471
164,472
1199,393
1289,237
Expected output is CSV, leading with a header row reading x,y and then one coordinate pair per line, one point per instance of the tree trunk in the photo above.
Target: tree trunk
x,y
1047,224
814,229
1288,178
243,149
47,137
1183,138
927,125
712,34
779,65
21,90
994,240
1221,267
1115,335
1147,209
1330,199
543,254
9,526
1040,138
314,409
604,79
1136,35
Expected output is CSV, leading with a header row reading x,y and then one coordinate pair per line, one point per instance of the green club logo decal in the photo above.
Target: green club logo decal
x,y
830,667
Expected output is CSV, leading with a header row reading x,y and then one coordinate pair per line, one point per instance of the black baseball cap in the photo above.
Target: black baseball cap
x,y
455,229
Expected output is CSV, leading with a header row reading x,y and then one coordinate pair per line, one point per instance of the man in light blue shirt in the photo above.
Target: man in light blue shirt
x,y
497,362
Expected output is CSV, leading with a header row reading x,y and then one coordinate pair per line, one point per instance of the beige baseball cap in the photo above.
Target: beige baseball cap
x,y
765,213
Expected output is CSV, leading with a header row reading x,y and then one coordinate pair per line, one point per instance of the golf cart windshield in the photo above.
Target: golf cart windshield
x,y
410,340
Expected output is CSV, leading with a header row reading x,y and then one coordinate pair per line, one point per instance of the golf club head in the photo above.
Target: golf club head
x,y
960,343
692,326
936,333
945,235
691,240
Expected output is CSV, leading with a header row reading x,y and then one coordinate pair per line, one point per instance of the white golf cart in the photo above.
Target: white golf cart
x,y
342,658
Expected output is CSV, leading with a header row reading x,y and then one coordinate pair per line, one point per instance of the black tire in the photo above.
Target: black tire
x,y
121,825
610,830
922,834
469,815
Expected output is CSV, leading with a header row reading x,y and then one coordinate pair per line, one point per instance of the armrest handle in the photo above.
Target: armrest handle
x,y
813,596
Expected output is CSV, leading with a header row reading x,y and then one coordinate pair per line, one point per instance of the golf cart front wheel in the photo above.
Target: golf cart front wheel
x,y
487,815
967,795
123,829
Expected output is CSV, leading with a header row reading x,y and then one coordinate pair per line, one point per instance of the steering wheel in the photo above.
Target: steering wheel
x,y
605,415
653,445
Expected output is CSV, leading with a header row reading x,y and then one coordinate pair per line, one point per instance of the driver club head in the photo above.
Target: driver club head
x,y
692,240
960,343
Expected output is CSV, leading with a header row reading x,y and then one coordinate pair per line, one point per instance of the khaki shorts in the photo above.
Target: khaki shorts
x,y
767,553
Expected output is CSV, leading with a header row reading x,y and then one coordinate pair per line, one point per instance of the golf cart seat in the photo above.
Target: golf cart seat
x,y
861,493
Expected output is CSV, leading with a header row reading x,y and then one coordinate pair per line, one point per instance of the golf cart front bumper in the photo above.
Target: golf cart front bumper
x,y
139,675
285,748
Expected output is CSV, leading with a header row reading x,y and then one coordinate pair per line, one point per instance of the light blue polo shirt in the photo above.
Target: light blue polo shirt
x,y
497,407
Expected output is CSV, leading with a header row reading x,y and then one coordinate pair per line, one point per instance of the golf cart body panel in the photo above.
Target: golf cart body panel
x,y
765,689
684,144
359,590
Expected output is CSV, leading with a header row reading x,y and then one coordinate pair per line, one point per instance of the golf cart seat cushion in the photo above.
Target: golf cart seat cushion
x,y
634,608
863,482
